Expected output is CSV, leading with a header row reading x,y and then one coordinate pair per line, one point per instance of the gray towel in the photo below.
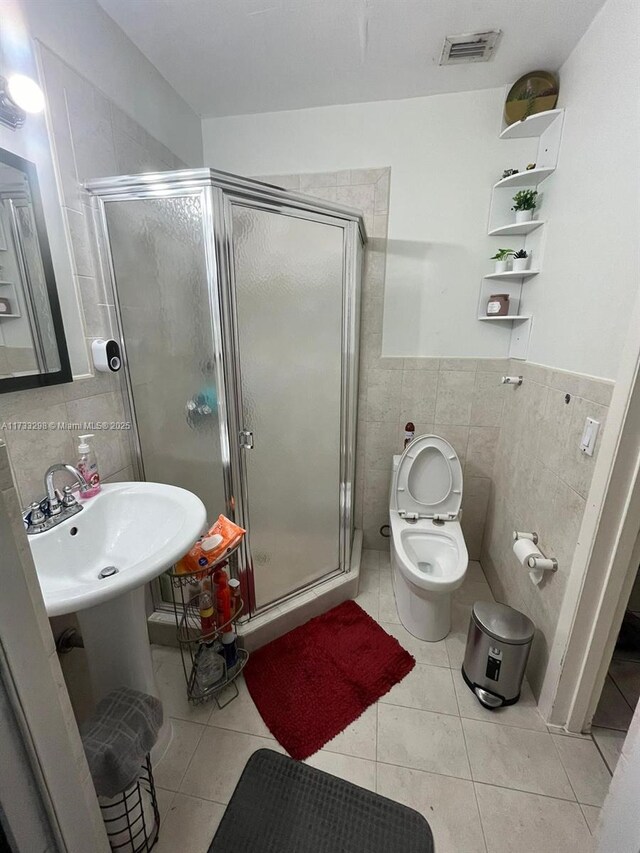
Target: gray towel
x,y
116,739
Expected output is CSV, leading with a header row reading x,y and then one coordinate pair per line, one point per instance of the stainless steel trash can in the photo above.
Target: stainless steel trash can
x,y
498,645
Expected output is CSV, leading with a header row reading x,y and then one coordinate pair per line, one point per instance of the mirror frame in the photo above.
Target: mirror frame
x,y
39,380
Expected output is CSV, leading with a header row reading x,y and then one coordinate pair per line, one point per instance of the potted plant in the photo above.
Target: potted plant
x,y
520,261
501,258
524,203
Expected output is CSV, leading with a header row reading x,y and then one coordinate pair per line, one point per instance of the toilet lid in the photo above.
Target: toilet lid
x,y
428,481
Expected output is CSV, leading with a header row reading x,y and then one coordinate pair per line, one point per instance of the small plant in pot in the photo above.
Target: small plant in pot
x,y
520,261
501,258
524,203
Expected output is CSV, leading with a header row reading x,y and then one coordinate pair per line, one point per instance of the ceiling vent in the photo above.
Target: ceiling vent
x,y
472,47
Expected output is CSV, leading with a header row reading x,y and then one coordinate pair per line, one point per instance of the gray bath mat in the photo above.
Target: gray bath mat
x,y
282,806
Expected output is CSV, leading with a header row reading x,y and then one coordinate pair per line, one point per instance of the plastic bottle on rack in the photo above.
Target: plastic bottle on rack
x,y
207,617
223,600
209,666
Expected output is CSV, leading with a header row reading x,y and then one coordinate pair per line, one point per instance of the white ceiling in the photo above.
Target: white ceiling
x,y
229,57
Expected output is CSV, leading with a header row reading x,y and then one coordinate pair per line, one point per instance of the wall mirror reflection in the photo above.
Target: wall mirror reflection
x,y
33,350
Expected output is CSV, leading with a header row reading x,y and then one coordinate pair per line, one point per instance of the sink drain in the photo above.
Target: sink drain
x,y
108,572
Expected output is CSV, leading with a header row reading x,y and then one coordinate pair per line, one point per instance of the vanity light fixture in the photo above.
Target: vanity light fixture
x,y
19,95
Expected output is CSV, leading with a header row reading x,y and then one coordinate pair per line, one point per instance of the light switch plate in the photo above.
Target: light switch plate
x,y
589,435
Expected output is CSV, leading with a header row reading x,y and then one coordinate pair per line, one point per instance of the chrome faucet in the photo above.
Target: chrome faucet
x,y
55,504
54,507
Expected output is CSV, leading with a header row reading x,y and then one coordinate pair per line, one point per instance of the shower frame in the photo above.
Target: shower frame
x,y
218,192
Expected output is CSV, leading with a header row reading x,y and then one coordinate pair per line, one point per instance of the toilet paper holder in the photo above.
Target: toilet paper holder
x,y
545,564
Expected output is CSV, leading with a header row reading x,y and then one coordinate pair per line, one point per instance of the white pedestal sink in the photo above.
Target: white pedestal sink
x,y
140,529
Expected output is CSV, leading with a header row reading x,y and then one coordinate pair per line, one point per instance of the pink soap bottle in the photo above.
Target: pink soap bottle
x,y
88,466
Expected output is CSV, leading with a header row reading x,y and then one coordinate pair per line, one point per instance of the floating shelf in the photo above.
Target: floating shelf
x,y
511,274
516,228
506,317
528,178
532,126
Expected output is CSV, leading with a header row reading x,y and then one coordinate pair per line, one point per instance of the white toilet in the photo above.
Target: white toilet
x,y
428,553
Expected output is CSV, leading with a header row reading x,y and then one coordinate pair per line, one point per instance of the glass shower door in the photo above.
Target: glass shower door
x,y
288,276
159,265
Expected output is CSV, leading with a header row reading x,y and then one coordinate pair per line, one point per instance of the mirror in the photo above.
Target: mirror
x,y
33,350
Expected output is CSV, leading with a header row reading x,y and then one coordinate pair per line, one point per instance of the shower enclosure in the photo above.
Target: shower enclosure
x,y
238,311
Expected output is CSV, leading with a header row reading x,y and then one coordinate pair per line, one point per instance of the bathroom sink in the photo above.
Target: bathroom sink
x,y
138,529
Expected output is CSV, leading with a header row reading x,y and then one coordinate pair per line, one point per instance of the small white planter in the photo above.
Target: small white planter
x,y
520,264
502,266
524,215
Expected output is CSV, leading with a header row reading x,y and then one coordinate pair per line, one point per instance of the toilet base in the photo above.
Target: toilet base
x,y
424,614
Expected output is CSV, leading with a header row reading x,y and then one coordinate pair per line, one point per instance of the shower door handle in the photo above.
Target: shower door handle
x,y
246,439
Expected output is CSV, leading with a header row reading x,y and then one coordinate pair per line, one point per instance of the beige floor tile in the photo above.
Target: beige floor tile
x,y
165,798
386,581
609,743
434,654
359,738
240,715
173,692
429,688
388,611
515,758
587,772
524,714
456,640
369,581
626,675
189,826
360,771
169,771
422,740
516,822
370,559
370,603
613,711
448,804
472,591
592,816
218,762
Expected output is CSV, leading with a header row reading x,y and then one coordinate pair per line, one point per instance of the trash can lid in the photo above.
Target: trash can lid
x,y
503,623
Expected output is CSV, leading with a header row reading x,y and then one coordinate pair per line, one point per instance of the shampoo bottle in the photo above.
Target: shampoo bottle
x,y
88,466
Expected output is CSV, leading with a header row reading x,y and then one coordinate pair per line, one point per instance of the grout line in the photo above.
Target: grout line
x,y
602,755
558,753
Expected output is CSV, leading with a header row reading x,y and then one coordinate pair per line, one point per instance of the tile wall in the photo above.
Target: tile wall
x,y
91,137
540,483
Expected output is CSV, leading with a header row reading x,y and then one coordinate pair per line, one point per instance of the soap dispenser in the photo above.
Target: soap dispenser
x,y
88,466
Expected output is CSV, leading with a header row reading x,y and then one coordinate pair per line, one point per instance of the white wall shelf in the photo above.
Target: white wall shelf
x,y
527,178
511,274
532,126
546,127
515,228
506,317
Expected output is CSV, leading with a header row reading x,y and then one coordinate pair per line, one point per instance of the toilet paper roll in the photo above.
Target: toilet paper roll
x,y
523,549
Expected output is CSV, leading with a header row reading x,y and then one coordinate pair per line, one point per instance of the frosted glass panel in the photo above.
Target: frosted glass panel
x,y
288,279
159,261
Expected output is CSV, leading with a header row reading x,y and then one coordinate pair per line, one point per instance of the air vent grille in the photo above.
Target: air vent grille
x,y
472,47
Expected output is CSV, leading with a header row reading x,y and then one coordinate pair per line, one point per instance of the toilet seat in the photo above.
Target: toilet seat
x,y
428,480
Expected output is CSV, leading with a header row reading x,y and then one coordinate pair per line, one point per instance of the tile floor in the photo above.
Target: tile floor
x,y
620,695
487,782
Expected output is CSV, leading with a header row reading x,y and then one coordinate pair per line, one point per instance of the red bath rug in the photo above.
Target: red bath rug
x,y
311,683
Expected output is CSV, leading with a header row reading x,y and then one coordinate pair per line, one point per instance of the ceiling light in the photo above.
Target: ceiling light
x,y
25,93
